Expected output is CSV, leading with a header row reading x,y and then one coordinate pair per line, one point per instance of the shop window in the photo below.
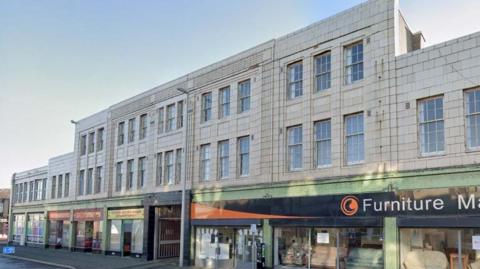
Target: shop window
x,y
18,227
115,229
35,228
59,233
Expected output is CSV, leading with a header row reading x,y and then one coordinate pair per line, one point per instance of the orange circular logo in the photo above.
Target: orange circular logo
x,y
349,205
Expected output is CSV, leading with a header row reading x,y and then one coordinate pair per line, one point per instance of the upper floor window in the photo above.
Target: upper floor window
x,y
54,187
170,118
354,62
206,106
60,186
178,166
36,197
244,96
323,71
131,130
83,144
205,162
118,176
224,102
430,118
98,180
169,167
25,191
44,188
354,138
244,155
143,127
323,143
223,159
295,148
161,119
89,188
141,172
129,184
81,183
121,133
91,142
100,139
30,197
159,173
179,114
472,106
67,185
295,80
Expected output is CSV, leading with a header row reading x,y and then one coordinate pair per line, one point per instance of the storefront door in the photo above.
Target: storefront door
x,y
127,237
168,231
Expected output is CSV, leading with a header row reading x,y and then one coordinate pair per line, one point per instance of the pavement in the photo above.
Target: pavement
x,y
11,263
57,258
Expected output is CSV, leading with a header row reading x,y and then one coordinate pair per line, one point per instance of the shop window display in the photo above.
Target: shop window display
x,y
58,233
35,228
115,228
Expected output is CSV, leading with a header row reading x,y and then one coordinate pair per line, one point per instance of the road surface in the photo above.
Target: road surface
x,y
9,263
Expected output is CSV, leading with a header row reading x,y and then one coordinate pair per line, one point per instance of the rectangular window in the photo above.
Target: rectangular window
x,y
472,106
179,114
44,189
143,127
295,80
91,142
141,172
81,183
206,106
354,137
295,148
430,118
25,192
170,118
35,195
89,181
205,162
169,167
121,133
54,187
244,96
83,145
129,184
100,139
322,71
98,180
178,166
67,185
323,143
60,186
159,178
30,197
353,63
224,102
17,198
223,159
118,176
161,120
131,130
40,188
244,155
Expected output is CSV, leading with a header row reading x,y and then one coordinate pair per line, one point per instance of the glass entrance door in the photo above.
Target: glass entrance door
x,y
127,237
245,248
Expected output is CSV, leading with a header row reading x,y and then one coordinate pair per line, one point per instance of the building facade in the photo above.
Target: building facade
x,y
345,144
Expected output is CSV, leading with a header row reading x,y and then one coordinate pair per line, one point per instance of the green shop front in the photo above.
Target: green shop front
x,y
385,222
125,229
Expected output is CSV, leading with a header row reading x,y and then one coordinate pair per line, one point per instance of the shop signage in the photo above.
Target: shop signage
x,y
87,214
131,213
59,215
422,202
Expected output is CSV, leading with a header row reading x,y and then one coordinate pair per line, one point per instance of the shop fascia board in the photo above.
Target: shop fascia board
x,y
421,179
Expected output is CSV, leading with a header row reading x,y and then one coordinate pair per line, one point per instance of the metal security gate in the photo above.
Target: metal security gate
x,y
168,226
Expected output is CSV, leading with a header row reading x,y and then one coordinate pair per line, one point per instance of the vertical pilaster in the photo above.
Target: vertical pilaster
x,y
105,230
45,229
391,243
71,232
268,240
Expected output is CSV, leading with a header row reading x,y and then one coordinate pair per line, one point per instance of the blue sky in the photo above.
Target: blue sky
x,y
67,59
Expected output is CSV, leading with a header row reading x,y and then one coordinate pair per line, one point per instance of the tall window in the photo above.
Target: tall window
x,y
430,118
44,189
100,139
118,176
143,127
89,181
472,106
178,166
30,197
224,102
131,130
141,172
67,185
179,114
129,184
25,192
60,186
323,143
223,159
244,155
35,197
170,118
169,167
322,71
91,142
206,106
244,96
18,193
353,63
83,144
295,148
161,119
355,152
159,173
98,180
54,187
205,162
81,183
121,133
295,78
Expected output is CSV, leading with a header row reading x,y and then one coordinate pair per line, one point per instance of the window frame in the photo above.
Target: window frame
x,y
143,128
161,120
131,130
205,162
169,160
91,142
159,169
347,135
292,67
222,157
118,176
317,140
294,145
241,154
171,114
206,112
320,73
100,134
142,170
130,174
121,133
475,114
421,123
348,80
243,98
224,105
